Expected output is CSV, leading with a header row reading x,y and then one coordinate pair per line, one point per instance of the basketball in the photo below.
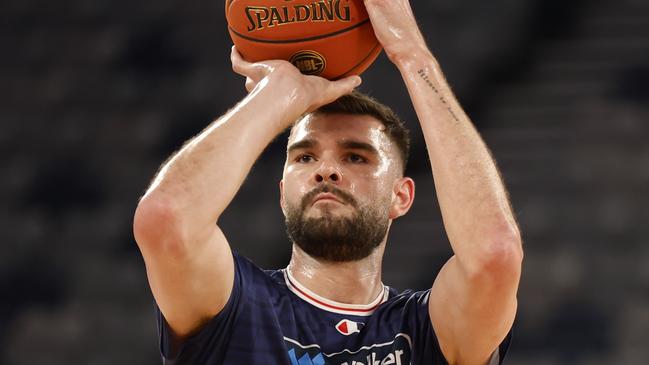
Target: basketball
x,y
328,38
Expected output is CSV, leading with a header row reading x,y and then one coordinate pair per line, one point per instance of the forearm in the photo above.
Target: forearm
x,y
473,200
201,179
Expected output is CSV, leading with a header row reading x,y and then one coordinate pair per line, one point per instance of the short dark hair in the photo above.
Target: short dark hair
x,y
358,103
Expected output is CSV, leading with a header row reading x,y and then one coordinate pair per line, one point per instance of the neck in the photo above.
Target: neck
x,y
357,282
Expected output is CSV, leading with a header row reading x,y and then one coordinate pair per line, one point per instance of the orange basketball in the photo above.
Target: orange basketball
x,y
328,38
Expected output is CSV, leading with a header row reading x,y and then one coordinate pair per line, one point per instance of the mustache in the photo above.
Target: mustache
x,y
342,195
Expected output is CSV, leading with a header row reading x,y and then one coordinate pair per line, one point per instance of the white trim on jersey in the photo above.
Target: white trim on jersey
x,y
330,305
369,347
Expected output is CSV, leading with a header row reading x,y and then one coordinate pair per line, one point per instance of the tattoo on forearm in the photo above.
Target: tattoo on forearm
x,y
426,79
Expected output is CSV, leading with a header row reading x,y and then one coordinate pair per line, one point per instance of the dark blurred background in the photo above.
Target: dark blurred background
x,y
95,94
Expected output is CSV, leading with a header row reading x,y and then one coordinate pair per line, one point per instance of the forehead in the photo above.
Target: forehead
x,y
340,127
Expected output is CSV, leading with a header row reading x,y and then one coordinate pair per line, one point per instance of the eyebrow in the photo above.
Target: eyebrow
x,y
348,144
358,145
302,145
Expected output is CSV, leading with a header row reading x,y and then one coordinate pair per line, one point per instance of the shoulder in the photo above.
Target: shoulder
x,y
253,304
409,294
404,316
248,267
249,275
408,298
408,310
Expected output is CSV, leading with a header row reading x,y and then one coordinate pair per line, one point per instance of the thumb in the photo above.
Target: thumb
x,y
350,82
338,88
346,85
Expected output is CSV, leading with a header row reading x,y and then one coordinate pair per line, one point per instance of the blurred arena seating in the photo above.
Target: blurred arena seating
x,y
96,94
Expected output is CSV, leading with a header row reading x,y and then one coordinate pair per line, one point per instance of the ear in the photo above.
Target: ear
x,y
403,195
281,196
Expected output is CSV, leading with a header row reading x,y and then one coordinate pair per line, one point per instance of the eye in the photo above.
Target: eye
x,y
304,158
354,158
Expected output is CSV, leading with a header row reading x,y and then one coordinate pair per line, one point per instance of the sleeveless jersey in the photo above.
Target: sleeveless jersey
x,y
270,319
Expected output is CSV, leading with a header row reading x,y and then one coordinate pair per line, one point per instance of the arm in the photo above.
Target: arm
x,y
188,260
473,300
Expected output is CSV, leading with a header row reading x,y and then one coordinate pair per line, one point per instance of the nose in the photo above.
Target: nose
x,y
327,172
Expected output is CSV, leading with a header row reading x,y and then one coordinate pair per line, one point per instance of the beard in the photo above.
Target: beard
x,y
336,239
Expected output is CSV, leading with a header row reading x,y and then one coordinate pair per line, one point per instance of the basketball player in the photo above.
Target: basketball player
x,y
342,188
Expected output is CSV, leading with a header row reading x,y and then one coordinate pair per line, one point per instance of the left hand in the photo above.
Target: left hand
x,y
396,28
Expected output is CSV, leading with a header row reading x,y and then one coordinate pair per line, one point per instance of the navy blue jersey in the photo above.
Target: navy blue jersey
x,y
271,319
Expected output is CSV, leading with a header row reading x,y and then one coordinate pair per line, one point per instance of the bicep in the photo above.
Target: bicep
x,y
472,314
193,285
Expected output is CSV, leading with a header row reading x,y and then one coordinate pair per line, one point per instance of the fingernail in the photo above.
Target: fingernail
x,y
357,81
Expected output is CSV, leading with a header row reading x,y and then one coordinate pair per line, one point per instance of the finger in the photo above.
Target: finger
x,y
239,65
254,71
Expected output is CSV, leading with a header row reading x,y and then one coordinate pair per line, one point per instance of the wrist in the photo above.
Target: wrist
x,y
414,60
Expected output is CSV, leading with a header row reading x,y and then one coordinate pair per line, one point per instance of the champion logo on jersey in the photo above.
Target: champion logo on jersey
x,y
347,327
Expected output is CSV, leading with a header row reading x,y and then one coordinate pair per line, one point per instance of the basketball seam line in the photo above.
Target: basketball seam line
x,y
302,39
359,63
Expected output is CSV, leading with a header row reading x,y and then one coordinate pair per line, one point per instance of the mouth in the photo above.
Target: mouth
x,y
326,197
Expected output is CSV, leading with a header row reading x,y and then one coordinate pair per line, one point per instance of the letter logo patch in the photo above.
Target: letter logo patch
x,y
309,62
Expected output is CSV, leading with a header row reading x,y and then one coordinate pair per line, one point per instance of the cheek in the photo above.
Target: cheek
x,y
295,186
381,178
382,170
372,189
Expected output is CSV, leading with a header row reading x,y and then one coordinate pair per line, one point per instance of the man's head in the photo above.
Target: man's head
x,y
343,179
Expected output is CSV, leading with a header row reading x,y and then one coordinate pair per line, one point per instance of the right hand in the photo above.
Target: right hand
x,y
305,92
